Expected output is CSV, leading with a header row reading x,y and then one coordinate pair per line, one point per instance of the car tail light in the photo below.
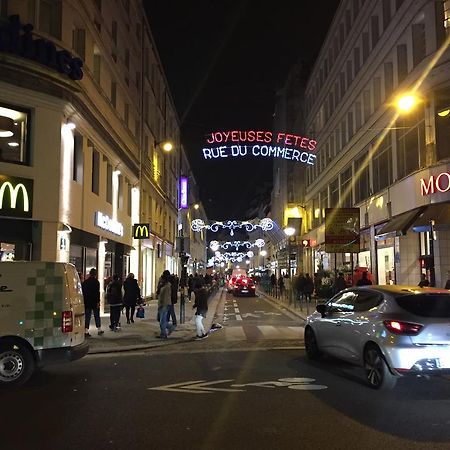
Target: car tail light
x,y
244,281
407,328
67,322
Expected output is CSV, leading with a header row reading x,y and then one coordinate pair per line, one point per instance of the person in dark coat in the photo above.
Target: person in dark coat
x,y
300,286
363,281
114,299
201,305
423,280
190,286
308,288
339,283
131,296
91,296
174,283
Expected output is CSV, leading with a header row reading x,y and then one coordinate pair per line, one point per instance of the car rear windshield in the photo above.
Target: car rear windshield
x,y
426,305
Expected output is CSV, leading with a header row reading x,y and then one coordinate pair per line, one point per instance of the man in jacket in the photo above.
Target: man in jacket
x,y
174,283
131,296
91,295
201,305
114,299
164,300
339,284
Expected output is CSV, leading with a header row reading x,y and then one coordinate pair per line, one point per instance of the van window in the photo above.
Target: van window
x,y
426,305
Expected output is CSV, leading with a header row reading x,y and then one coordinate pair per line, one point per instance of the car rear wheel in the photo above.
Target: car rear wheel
x,y
16,363
378,375
312,349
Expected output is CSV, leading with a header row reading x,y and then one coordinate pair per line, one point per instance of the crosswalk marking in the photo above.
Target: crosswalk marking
x,y
234,334
266,332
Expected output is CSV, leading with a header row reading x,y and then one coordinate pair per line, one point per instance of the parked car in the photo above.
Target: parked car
x,y
244,286
389,330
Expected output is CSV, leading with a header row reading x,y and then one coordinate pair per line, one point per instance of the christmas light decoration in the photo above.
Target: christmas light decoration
x,y
216,245
265,224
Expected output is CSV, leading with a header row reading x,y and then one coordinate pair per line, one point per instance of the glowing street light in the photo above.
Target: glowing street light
x,y
289,231
407,102
263,253
196,206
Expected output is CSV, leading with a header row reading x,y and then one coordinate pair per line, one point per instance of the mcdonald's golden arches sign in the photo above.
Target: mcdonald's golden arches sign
x,y
16,197
141,231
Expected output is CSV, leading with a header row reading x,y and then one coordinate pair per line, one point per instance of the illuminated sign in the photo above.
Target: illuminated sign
x,y
141,230
16,197
440,183
184,204
106,223
306,243
17,39
230,144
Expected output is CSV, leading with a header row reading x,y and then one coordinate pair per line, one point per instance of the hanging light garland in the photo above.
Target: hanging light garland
x,y
216,245
265,224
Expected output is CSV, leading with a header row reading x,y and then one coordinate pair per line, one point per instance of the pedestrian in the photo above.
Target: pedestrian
x,y
201,305
273,283
91,296
164,293
424,280
281,284
300,286
190,286
115,301
174,284
447,283
308,288
339,283
364,280
131,296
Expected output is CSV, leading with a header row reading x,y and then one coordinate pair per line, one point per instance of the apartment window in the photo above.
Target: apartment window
x,y
367,105
323,203
341,35
138,31
137,129
126,114
350,126
332,146
4,8
127,59
342,83
365,47
95,171
109,175
375,29
386,7
98,4
344,133
50,17
146,106
14,139
346,188
79,42
418,41
362,179
77,173
382,165
402,62
349,73
376,93
442,124
398,3
388,79
129,188
348,20
410,142
334,192
355,8
114,32
120,199
358,122
356,59
336,94
97,67
446,6
114,93
337,133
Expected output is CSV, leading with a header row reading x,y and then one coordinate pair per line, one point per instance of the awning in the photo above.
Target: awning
x,y
438,213
398,225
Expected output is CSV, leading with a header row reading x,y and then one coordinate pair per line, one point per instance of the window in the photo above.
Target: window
x,y
50,17
386,13
376,92
410,142
398,3
366,300
446,5
109,175
382,165
129,188
4,8
367,105
114,32
356,59
426,305
346,188
358,122
342,303
95,171
120,198
442,124
349,72
114,93
78,158
126,114
418,41
98,3
375,29
79,42
362,179
97,67
365,46
334,192
323,202
344,133
14,134
388,79
402,62
127,59
350,125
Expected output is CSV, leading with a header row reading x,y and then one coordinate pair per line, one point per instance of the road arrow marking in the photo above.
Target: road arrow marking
x,y
195,387
250,315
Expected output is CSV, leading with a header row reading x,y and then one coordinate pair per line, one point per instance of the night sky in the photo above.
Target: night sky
x,y
224,61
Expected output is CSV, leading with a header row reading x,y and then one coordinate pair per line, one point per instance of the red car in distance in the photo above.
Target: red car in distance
x,y
244,286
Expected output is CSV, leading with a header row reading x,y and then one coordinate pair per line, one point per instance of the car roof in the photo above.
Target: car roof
x,y
399,289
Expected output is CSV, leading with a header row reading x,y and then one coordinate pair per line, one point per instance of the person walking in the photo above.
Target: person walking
x,y
423,280
281,285
273,284
114,299
308,287
339,283
190,286
300,286
164,300
447,283
201,306
364,280
174,284
131,296
91,296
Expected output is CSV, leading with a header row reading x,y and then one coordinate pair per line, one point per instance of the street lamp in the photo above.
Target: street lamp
x,y
406,102
167,146
289,231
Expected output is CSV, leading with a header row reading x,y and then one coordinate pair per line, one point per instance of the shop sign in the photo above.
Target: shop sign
x,y
439,183
17,39
184,203
106,223
141,231
342,230
16,197
231,144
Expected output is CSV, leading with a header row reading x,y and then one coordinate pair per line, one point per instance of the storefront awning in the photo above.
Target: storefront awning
x,y
398,225
439,213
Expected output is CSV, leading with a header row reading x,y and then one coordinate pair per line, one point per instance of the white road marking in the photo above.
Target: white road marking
x,y
195,387
269,331
238,317
234,334
250,315
236,310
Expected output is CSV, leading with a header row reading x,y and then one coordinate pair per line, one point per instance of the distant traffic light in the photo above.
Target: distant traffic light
x,y
306,243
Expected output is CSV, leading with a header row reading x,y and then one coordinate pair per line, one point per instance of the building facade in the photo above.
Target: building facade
x,y
84,110
392,164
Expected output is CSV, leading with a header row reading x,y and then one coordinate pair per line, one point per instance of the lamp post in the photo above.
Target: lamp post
x,y
289,232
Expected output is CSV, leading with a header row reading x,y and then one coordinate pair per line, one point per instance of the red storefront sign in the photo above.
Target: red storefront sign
x,y
438,183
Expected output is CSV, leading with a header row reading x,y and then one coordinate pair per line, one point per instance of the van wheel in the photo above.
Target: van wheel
x,y
378,375
16,363
312,349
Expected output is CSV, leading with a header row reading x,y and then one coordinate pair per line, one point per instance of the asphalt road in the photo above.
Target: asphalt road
x,y
221,394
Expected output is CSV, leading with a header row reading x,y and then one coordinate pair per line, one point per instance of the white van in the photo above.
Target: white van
x,y
41,317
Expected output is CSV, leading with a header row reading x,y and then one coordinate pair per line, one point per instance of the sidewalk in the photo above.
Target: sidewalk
x,y
143,333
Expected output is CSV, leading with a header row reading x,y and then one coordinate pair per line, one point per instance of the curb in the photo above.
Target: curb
x,y
277,303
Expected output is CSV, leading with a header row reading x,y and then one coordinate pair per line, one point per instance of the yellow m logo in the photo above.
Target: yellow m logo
x,y
141,231
13,192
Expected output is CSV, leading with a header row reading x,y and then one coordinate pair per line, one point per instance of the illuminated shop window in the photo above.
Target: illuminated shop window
x,y
14,128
